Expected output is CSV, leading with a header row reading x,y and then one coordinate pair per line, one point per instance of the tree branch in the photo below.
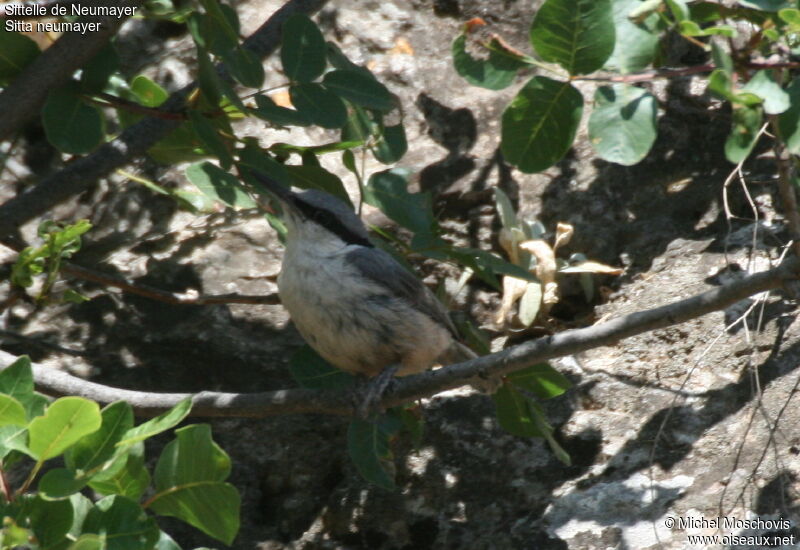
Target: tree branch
x,y
132,142
407,389
24,97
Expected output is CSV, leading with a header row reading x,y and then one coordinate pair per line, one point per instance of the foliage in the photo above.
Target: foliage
x,y
523,242
323,88
60,243
104,452
577,39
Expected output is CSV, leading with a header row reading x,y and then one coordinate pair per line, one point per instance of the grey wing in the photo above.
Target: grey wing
x,y
379,266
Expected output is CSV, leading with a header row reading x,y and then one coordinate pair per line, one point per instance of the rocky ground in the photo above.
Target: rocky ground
x,y
694,421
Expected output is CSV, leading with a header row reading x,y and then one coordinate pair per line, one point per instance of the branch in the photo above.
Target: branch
x,y
407,389
24,97
132,142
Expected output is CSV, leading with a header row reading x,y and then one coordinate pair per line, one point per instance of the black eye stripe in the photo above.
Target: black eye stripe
x,y
329,221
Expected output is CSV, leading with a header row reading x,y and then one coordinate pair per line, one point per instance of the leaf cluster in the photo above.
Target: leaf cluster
x,y
102,451
614,40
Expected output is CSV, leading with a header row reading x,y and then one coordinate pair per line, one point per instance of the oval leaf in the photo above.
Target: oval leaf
x,y
744,130
16,51
64,422
539,124
636,42
318,105
189,485
122,522
217,184
302,49
622,126
356,87
11,411
576,34
368,446
71,125
486,73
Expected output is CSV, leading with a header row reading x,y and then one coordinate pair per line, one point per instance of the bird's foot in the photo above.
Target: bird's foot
x,y
368,401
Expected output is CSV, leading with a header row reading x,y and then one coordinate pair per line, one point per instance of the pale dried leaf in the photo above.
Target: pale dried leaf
x,y
530,304
545,267
509,244
564,232
513,289
593,267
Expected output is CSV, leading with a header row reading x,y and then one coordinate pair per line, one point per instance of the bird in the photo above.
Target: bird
x,y
352,302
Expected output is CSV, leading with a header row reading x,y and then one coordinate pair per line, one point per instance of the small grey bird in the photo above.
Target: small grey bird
x,y
352,302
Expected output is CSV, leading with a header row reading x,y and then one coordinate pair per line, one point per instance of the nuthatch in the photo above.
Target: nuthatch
x,y
352,302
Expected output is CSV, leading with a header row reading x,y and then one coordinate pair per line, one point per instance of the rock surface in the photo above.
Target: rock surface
x,y
694,422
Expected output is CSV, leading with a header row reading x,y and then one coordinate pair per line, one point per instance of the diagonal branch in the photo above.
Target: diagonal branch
x,y
24,97
131,143
407,389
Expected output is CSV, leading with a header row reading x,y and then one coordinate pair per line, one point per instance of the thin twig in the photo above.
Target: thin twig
x,y
56,382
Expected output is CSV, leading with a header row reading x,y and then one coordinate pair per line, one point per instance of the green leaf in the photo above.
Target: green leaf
x,y
776,100
486,264
216,183
745,126
165,542
71,125
392,146
13,438
148,92
219,27
360,126
312,371
131,480
180,145
319,105
622,126
767,5
60,483
508,216
368,446
160,423
722,59
302,49
65,421
212,141
16,52
80,507
636,42
388,190
356,87
282,116
721,85
539,124
88,542
314,177
189,484
576,34
493,73
789,121
96,449
513,412
541,379
339,60
95,73
50,520
122,524
254,157
11,412
245,67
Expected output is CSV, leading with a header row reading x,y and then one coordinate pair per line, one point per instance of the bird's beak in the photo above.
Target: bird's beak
x,y
280,192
